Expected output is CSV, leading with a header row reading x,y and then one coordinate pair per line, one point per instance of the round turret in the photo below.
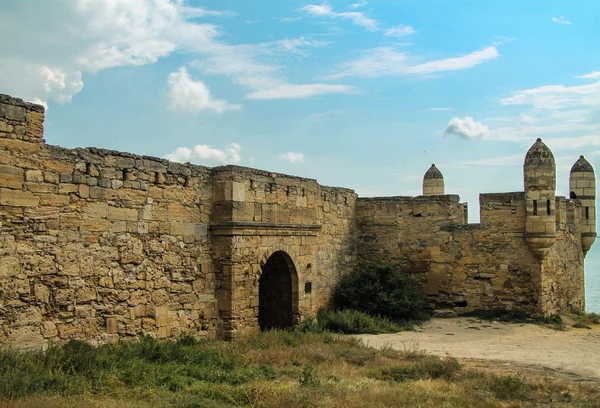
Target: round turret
x,y
539,171
433,182
582,187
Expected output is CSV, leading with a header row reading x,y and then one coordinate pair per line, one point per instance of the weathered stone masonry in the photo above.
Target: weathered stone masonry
x,y
97,244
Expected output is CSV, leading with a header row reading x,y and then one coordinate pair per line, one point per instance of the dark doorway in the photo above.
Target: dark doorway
x,y
275,292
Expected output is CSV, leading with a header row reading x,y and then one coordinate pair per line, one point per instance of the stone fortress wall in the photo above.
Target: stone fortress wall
x,y
97,244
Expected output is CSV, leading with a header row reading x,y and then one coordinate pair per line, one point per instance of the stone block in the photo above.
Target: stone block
x,y
13,113
120,162
11,177
9,266
18,198
122,214
95,225
34,175
111,324
54,200
41,188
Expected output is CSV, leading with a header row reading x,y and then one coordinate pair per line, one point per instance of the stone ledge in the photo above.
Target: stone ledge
x,y
263,228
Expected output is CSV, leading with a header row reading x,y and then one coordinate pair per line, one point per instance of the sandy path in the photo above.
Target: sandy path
x,y
574,351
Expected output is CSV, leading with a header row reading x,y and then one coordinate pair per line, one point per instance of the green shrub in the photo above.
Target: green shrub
x,y
380,290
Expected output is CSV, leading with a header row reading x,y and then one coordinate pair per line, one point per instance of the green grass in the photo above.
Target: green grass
x,y
516,316
270,369
584,320
352,322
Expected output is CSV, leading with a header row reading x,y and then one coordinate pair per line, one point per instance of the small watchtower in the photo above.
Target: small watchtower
x,y
539,172
433,182
582,187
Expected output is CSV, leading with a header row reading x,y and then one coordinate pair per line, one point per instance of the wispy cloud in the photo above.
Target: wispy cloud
x,y
387,61
292,157
438,109
188,96
467,128
399,31
356,17
561,20
242,64
201,154
358,5
591,75
291,91
300,45
556,96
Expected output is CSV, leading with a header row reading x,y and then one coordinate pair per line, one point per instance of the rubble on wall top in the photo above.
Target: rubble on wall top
x,y
9,100
453,198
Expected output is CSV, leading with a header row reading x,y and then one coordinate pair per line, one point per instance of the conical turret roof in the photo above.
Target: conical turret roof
x,y
538,154
582,165
433,173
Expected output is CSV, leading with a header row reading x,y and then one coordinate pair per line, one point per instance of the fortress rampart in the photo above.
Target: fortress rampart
x,y
96,244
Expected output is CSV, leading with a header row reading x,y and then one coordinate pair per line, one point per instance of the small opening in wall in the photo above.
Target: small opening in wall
x,y
548,207
307,287
461,303
534,207
572,195
587,213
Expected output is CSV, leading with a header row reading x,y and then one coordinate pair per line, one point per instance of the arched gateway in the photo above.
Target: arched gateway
x,y
278,294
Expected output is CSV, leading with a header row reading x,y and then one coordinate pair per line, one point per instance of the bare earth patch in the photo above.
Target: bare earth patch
x,y
571,351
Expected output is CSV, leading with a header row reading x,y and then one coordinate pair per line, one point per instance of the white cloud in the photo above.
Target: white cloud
x,y
561,20
188,96
358,5
556,96
439,109
357,18
387,61
201,154
299,45
591,75
399,31
467,128
565,116
59,41
292,157
262,80
573,143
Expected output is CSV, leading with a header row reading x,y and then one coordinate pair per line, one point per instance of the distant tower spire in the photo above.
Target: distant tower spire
x,y
433,182
582,186
540,184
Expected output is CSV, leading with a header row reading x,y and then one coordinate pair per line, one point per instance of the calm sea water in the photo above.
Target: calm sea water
x,y
592,279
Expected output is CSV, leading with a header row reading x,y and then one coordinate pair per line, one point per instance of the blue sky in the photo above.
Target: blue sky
x,y
359,94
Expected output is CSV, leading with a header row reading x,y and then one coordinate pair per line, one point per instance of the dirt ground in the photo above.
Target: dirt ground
x,y
573,352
